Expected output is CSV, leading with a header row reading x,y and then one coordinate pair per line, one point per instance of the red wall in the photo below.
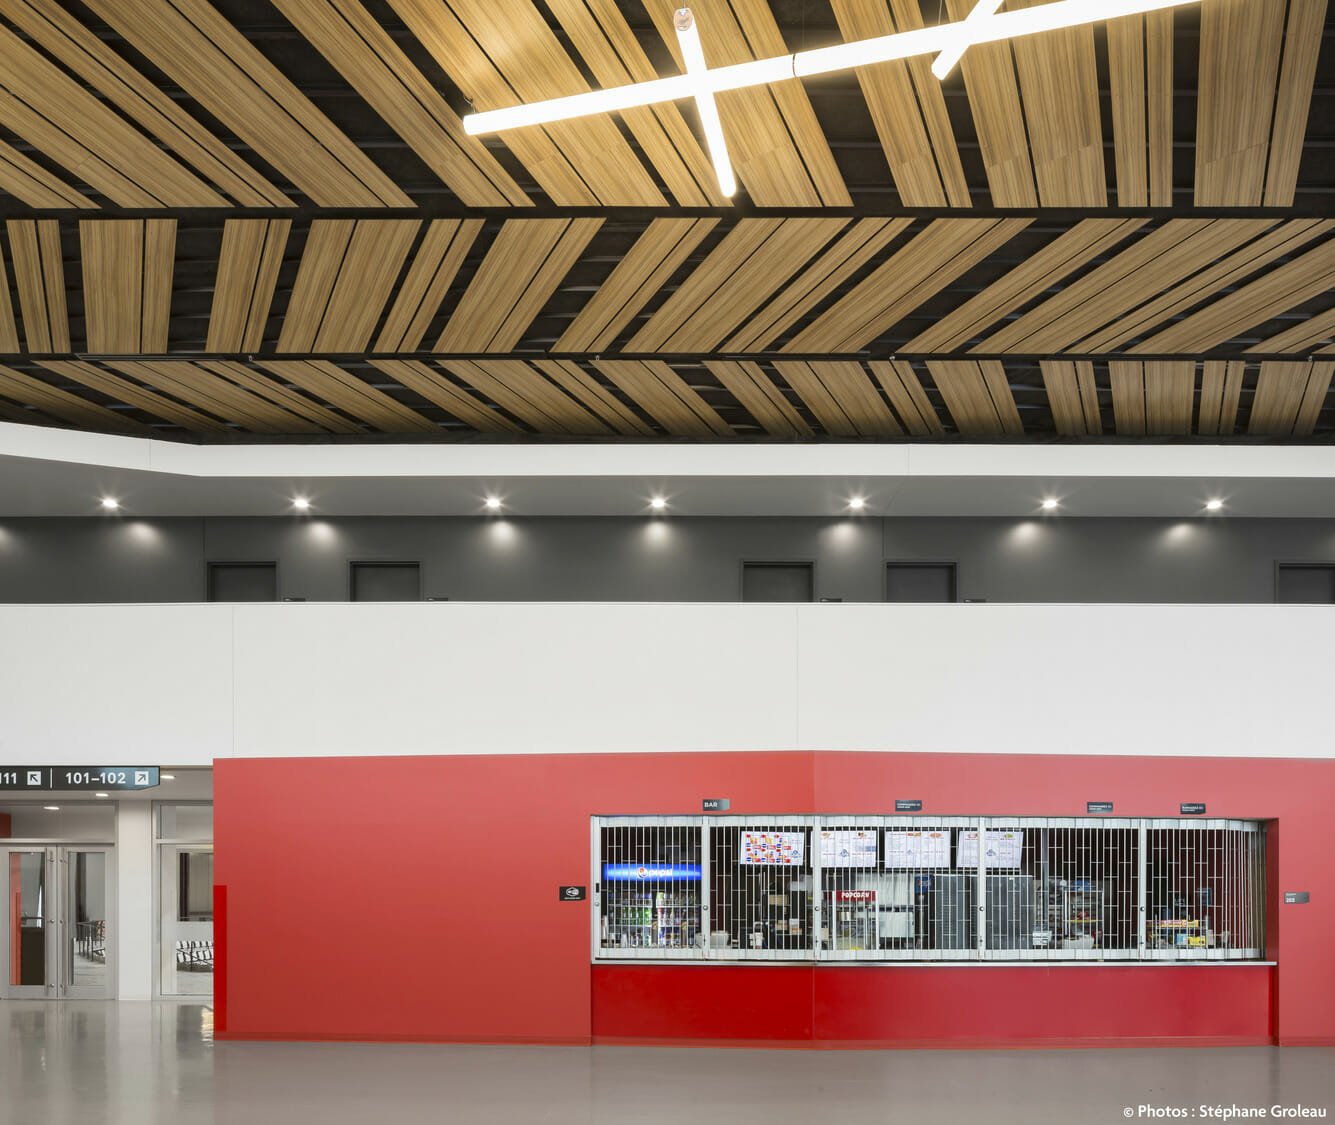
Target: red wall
x,y
416,898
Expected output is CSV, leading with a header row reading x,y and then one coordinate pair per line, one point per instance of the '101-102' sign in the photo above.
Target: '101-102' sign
x,y
100,778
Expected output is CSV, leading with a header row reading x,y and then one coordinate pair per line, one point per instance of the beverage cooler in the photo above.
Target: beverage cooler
x,y
650,906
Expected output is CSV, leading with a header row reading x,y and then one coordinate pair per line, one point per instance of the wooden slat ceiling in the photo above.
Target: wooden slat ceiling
x,y
225,218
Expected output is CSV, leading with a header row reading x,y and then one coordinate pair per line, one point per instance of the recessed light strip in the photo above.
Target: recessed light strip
x,y
944,38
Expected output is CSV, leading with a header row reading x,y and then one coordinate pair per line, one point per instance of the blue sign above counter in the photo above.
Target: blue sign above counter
x,y
651,872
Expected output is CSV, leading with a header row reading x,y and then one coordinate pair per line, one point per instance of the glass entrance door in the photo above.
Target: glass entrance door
x,y
187,920
57,939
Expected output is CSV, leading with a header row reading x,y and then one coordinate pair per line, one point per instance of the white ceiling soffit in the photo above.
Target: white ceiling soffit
x,y
46,472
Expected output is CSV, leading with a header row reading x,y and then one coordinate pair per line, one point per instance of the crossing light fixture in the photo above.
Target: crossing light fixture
x,y
947,41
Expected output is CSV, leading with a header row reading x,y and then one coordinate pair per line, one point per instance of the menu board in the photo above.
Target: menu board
x,y
848,847
928,848
1003,849
782,849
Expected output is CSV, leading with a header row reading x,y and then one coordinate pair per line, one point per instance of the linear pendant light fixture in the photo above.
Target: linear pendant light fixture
x,y
948,41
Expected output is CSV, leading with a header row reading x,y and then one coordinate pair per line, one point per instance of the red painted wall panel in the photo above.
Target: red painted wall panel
x,y
462,936
4,825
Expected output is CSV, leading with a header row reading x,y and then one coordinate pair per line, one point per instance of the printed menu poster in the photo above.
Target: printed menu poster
x,y
784,849
1003,849
929,848
848,847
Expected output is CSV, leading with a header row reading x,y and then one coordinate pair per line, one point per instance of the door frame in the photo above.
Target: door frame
x,y
60,928
167,895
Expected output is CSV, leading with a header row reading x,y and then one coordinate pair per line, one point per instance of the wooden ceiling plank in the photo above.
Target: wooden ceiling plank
x,y
760,397
1302,45
1314,398
926,265
443,250
577,382
489,384
1239,64
70,125
294,402
863,241
932,104
1212,396
156,302
994,101
32,184
39,272
778,151
1285,287
363,52
1122,296
903,387
748,238
794,244
1170,387
1278,242
1059,381
432,385
374,259
123,390
217,66
248,265
9,329
1039,272
1228,405
657,254
535,399
1127,378
889,94
819,399
966,395
662,394
112,254
23,388
1036,329
520,272
330,383
221,398
58,32
1280,392
321,259
1126,71
1302,337
501,52
1003,401
848,381
1159,104
1059,88
606,42
1089,396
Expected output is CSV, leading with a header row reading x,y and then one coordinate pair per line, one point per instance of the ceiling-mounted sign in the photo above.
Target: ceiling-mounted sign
x,y
907,806
574,894
717,804
1297,897
1192,808
1098,806
89,778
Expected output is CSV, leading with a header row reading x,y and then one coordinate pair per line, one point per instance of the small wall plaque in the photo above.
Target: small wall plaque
x,y
574,894
1192,808
717,804
907,806
1298,897
1098,806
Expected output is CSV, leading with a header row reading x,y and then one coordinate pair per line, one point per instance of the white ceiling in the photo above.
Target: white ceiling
x,y
46,472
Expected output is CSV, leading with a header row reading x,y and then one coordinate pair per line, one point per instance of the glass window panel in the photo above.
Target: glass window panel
x,y
185,822
86,919
27,921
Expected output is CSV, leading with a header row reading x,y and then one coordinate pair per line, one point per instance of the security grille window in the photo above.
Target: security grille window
x,y
650,878
760,887
884,888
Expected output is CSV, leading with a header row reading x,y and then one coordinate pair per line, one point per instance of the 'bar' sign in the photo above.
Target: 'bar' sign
x,y
717,804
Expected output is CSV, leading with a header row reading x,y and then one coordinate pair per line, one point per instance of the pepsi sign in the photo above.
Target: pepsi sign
x,y
651,872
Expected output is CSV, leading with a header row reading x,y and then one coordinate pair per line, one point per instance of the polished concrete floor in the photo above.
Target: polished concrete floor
x,y
91,1063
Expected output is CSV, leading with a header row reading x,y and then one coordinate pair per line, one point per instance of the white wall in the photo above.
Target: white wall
x,y
182,685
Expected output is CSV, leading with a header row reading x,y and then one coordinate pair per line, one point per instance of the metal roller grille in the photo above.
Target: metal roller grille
x,y
961,888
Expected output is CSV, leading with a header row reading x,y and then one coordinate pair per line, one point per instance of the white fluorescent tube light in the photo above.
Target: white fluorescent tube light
x,y
946,60
689,39
942,39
